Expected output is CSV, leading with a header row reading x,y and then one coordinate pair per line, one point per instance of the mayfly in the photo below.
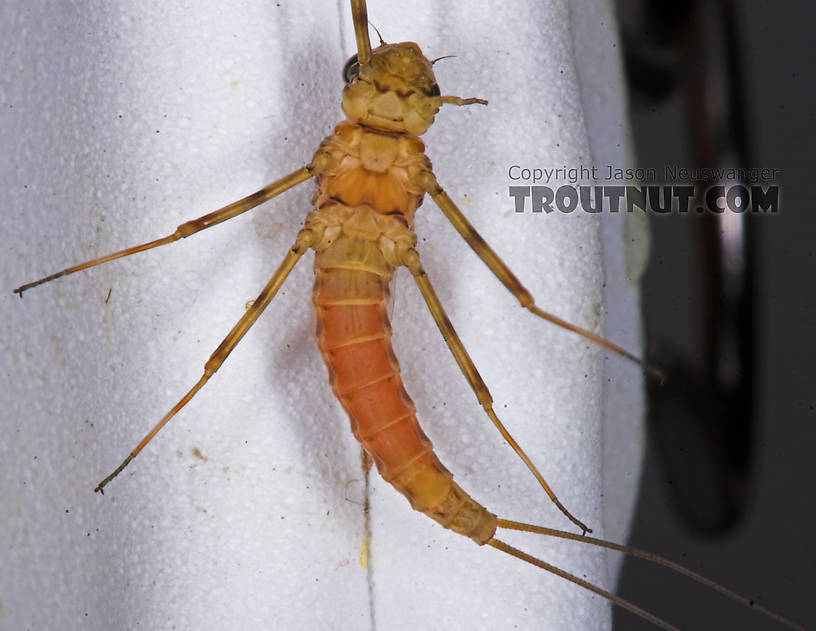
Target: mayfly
x,y
364,226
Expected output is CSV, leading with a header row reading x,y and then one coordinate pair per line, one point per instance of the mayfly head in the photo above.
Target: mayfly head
x,y
396,91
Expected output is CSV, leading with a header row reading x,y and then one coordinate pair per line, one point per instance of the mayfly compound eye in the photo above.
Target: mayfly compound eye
x,y
351,69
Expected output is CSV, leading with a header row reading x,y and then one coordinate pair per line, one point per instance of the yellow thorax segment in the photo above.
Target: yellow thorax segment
x,y
378,151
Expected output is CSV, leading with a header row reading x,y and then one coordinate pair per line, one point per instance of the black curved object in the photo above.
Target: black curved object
x,y
702,418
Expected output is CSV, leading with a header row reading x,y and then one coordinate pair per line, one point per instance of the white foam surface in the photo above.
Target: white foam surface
x,y
119,121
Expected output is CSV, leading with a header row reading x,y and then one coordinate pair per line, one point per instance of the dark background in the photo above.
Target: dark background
x,y
765,547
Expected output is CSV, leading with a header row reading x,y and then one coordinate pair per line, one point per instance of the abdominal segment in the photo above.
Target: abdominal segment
x,y
354,337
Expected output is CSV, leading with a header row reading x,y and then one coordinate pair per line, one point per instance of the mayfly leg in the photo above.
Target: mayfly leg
x,y
304,240
359,14
190,227
512,283
412,262
509,280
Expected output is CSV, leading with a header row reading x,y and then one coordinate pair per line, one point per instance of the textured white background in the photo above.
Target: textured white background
x,y
120,120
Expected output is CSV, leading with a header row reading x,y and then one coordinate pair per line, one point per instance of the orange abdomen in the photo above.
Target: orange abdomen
x,y
354,336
